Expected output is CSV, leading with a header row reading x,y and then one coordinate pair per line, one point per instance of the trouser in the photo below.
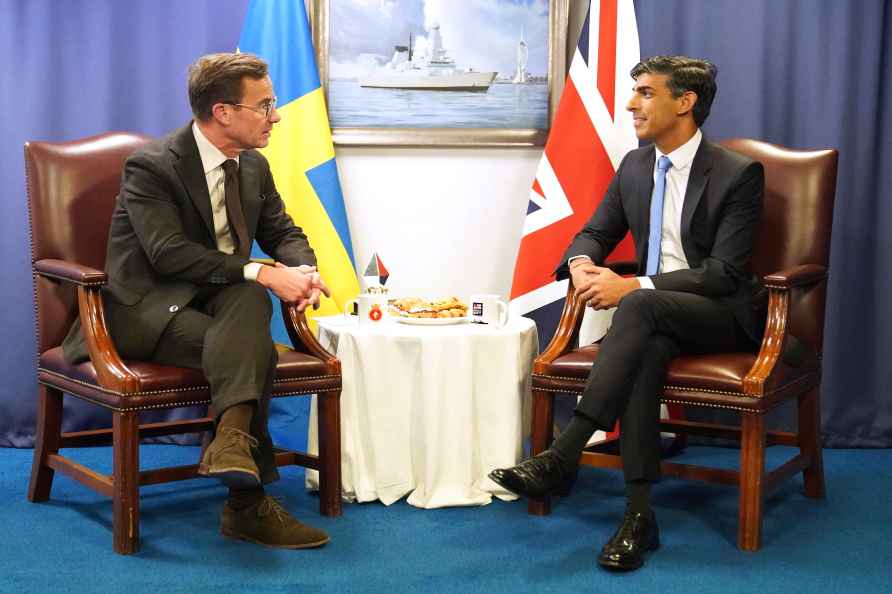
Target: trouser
x,y
649,329
225,333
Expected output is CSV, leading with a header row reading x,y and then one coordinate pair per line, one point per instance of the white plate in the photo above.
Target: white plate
x,y
430,321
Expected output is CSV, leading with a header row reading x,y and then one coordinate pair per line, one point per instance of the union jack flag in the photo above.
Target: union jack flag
x,y
591,133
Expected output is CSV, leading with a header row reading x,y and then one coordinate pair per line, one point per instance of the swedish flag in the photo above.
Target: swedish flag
x,y
300,151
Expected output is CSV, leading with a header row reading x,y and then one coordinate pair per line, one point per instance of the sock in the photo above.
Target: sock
x,y
240,499
638,492
570,442
238,417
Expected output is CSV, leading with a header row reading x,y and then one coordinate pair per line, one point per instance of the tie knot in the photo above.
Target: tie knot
x,y
664,164
230,167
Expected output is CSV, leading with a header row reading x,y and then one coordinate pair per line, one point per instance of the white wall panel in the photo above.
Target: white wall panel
x,y
443,221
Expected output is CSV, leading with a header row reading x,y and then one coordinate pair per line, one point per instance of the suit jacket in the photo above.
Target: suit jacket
x,y
162,248
720,215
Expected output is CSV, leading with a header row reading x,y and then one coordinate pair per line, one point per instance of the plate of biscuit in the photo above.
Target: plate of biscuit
x,y
424,312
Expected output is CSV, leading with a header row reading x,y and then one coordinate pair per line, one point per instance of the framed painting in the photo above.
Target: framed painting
x,y
438,73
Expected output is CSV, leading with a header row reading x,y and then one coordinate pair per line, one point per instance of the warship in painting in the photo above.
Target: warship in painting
x,y
436,72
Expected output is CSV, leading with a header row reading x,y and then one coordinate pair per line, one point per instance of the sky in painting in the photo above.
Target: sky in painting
x,y
482,34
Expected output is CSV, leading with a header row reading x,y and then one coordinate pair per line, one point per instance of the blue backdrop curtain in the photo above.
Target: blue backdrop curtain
x,y
814,74
73,69
803,73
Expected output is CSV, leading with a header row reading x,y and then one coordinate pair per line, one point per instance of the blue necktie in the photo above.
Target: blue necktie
x,y
656,217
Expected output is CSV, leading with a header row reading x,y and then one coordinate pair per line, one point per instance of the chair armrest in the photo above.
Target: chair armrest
x,y
797,276
571,318
303,339
566,333
70,272
111,371
776,337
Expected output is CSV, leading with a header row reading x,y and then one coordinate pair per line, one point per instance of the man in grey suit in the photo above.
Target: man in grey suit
x,y
692,208
182,290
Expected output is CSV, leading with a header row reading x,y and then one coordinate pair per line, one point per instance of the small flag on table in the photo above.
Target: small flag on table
x,y
376,269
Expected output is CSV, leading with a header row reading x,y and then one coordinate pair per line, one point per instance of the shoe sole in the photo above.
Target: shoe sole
x,y
563,490
519,491
305,545
234,477
617,566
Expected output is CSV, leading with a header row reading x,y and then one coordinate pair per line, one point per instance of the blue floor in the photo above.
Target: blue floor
x,y
840,544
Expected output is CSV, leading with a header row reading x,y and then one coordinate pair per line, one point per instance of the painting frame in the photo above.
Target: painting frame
x,y
319,12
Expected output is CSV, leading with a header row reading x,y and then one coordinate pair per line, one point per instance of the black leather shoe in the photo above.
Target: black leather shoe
x,y
535,477
636,535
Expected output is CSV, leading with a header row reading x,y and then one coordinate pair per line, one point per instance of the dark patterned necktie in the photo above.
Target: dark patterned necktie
x,y
234,213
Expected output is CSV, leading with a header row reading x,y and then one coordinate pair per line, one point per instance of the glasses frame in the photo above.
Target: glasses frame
x,y
264,110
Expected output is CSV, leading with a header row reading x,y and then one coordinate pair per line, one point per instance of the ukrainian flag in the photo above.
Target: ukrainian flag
x,y
300,151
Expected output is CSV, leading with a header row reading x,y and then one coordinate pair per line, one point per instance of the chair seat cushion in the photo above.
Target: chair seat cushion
x,y
724,371
707,380
163,386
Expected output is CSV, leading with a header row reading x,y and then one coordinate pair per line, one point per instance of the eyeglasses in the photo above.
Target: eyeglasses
x,y
265,109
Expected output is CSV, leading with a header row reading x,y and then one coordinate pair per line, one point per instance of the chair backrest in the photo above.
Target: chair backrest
x,y
797,215
72,187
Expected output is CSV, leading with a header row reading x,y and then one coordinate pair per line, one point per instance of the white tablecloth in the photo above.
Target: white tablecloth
x,y
429,411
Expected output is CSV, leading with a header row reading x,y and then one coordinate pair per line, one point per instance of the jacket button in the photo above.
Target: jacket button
x,y
173,308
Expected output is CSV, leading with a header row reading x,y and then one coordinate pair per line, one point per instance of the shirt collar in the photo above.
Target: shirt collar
x,y
683,156
211,156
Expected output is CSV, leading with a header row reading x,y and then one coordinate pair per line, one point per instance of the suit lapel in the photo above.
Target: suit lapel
x,y
645,178
696,184
188,166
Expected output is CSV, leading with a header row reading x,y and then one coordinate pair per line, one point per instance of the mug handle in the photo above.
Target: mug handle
x,y
503,310
348,307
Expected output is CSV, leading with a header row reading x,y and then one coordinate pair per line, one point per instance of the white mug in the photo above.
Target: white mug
x,y
488,309
371,307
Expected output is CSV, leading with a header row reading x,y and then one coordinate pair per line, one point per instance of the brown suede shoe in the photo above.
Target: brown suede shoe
x,y
267,523
229,459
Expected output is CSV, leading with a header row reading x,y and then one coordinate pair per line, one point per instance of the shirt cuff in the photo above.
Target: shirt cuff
x,y
645,282
570,261
252,269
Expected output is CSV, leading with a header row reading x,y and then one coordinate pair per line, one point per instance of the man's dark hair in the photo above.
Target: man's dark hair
x,y
685,74
217,78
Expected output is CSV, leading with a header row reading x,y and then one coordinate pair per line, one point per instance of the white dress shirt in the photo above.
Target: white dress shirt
x,y
671,250
212,160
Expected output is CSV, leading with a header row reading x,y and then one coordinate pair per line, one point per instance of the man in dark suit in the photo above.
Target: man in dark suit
x,y
692,208
181,287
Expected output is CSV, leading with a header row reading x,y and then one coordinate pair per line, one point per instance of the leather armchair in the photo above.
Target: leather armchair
x,y
72,188
791,256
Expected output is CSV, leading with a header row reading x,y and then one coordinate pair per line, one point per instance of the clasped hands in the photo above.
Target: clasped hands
x,y
599,287
301,284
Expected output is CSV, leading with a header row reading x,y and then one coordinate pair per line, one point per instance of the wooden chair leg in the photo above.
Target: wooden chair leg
x,y
810,442
49,435
329,419
543,419
125,477
752,480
